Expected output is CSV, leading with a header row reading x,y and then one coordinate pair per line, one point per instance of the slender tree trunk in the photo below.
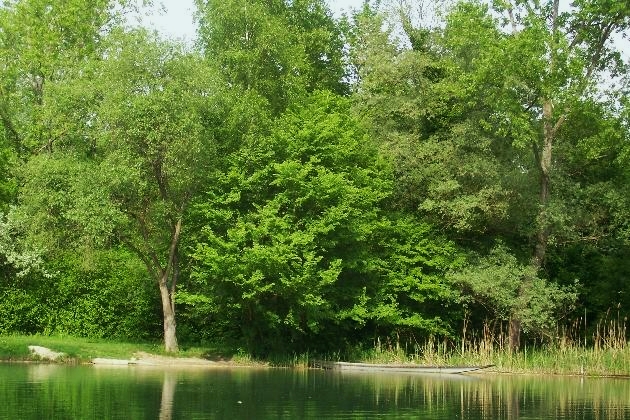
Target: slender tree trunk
x,y
168,310
167,290
514,334
542,236
542,233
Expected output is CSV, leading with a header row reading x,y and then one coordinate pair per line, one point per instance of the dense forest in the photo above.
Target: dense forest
x,y
300,182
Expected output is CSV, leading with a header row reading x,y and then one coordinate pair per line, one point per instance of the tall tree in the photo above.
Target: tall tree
x,y
553,60
474,111
297,248
130,164
40,41
277,48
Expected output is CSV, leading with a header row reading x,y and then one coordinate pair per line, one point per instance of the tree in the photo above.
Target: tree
x,y
474,111
40,42
141,143
552,61
420,107
276,48
156,120
297,248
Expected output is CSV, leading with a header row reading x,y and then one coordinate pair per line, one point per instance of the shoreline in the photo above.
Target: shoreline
x,y
572,362
165,362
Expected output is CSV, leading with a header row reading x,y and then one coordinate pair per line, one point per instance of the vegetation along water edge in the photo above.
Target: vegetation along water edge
x,y
571,360
435,182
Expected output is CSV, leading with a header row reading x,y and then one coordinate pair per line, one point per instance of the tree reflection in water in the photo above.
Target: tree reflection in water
x,y
168,395
74,392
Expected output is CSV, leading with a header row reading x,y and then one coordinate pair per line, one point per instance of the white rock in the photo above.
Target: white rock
x,y
45,353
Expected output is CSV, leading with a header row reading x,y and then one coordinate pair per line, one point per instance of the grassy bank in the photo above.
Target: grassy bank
x,y
571,351
15,348
564,359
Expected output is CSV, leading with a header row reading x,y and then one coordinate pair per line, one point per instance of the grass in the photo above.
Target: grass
x,y
608,353
15,347
536,360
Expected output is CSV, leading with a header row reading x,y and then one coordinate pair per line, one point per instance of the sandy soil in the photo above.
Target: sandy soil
x,y
146,359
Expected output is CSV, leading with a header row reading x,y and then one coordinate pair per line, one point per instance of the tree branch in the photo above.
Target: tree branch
x,y
8,124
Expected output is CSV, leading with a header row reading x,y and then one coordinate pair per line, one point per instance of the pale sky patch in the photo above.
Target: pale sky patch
x,y
174,18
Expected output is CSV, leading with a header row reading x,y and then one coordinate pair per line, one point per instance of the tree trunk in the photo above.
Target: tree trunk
x,y
544,158
167,291
514,334
542,236
168,309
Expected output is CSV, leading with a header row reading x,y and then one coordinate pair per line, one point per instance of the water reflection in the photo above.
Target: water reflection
x,y
53,391
168,395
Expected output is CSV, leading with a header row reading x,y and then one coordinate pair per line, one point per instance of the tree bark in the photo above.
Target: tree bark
x,y
168,310
167,283
514,334
166,278
542,236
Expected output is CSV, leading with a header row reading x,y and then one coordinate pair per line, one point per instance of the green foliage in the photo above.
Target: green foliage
x,y
20,312
41,42
428,117
274,211
278,49
497,132
296,245
18,258
90,294
62,203
7,182
508,289
103,294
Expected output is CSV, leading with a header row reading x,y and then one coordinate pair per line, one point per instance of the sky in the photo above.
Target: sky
x,y
176,18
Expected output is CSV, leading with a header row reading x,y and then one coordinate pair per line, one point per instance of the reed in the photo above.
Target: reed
x,y
569,351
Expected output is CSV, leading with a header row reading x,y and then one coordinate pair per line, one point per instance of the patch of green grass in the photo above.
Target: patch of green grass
x,y
561,360
15,347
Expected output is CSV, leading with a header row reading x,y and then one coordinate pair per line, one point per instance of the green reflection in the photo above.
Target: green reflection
x,y
37,391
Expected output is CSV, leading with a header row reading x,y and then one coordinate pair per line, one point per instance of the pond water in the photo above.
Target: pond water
x,y
41,391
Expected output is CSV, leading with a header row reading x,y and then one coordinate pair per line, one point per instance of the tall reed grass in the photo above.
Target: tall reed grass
x,y
569,350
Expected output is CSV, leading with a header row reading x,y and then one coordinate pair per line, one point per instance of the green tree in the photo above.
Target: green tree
x,y
141,144
421,108
297,247
472,112
40,42
277,48
551,62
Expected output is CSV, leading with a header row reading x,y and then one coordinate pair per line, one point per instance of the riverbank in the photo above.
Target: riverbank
x,y
78,350
568,360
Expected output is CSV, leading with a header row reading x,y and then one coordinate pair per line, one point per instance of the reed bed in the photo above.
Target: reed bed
x,y
605,352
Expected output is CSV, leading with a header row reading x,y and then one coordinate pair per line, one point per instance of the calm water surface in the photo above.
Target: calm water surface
x,y
37,391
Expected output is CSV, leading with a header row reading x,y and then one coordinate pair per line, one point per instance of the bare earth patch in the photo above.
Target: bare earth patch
x,y
146,359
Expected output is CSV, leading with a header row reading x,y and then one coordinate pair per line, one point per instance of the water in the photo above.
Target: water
x,y
39,391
